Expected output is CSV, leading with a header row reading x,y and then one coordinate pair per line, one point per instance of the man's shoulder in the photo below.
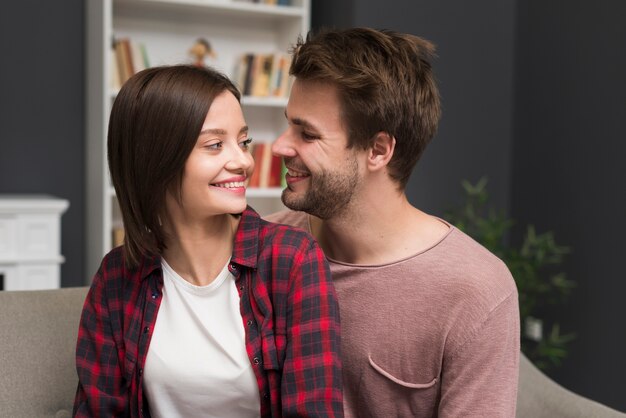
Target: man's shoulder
x,y
289,217
474,284
473,269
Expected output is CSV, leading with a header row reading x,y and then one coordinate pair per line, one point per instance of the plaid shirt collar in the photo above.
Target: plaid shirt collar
x,y
246,245
245,248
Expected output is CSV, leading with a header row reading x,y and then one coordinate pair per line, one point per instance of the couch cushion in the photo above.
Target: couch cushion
x,y
38,332
541,397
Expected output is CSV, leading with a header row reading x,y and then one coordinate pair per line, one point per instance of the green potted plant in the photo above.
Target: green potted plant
x,y
535,265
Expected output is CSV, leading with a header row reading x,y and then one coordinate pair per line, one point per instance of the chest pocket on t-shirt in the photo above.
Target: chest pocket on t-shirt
x,y
411,385
388,388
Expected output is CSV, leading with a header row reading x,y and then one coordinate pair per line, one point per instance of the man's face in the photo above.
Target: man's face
x,y
322,174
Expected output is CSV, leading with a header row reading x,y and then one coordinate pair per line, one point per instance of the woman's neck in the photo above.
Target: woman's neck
x,y
198,251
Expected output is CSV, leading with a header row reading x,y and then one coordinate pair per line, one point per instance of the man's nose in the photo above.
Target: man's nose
x,y
283,146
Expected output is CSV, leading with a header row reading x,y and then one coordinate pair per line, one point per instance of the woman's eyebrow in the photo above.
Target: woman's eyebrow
x,y
214,131
218,131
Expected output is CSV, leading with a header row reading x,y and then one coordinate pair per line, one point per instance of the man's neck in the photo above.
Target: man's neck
x,y
377,229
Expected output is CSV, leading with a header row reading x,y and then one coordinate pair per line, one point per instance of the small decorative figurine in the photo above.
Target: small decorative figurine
x,y
200,50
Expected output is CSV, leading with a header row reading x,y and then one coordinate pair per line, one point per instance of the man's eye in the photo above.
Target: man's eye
x,y
246,144
309,137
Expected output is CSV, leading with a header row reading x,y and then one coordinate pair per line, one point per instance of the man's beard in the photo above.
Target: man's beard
x,y
329,192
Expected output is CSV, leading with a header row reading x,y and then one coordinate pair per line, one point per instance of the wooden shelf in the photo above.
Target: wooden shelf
x,y
215,8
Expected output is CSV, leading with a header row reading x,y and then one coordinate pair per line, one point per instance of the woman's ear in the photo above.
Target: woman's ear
x,y
381,151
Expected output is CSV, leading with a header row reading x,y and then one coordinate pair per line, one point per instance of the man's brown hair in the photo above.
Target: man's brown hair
x,y
385,83
154,125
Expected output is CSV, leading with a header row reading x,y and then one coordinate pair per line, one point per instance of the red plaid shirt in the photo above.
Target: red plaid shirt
x,y
288,308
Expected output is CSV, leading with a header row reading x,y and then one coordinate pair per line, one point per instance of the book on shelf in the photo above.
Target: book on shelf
x,y
265,165
243,73
117,236
127,58
268,168
272,2
116,80
264,75
276,172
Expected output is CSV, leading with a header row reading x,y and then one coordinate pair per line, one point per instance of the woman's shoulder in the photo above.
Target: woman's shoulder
x,y
286,235
272,231
113,260
290,217
290,253
280,226
114,266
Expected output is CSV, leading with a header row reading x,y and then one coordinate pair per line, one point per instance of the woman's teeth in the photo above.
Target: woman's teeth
x,y
230,185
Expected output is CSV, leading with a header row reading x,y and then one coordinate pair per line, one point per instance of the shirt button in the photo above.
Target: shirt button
x,y
241,288
249,322
233,267
256,361
145,330
140,372
266,395
155,295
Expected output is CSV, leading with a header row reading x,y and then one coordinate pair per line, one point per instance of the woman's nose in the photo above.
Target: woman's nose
x,y
240,159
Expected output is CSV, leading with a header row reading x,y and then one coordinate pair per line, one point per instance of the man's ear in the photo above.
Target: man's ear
x,y
381,151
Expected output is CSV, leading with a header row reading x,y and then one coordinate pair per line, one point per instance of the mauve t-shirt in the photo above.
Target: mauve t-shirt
x,y
432,335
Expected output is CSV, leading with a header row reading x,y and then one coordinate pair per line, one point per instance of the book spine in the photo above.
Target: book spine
x,y
266,164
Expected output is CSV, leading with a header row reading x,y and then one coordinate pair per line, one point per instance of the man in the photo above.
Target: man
x,y
430,321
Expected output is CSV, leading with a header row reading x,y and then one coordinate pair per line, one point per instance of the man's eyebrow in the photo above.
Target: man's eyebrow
x,y
300,122
217,131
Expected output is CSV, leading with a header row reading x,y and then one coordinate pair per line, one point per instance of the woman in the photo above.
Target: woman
x,y
206,310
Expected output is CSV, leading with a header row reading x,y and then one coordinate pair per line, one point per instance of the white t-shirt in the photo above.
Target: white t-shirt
x,y
197,363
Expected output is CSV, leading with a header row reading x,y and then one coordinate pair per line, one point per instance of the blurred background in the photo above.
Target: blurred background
x,y
534,99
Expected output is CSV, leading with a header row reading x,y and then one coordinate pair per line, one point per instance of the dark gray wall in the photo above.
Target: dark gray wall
x,y
41,112
568,172
475,46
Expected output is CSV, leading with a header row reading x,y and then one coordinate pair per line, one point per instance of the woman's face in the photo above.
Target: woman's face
x,y
218,166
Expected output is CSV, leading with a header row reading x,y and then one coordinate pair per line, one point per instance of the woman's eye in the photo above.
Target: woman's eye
x,y
215,146
246,144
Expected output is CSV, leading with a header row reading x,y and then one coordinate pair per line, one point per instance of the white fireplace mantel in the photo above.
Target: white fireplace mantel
x,y
30,241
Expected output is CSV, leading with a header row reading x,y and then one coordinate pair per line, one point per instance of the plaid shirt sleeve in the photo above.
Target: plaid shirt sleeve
x,y
101,390
108,335
311,380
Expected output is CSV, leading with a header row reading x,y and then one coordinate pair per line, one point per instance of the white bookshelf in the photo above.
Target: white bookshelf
x,y
168,28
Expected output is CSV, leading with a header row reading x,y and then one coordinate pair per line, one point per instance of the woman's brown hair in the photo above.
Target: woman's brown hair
x,y
155,123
